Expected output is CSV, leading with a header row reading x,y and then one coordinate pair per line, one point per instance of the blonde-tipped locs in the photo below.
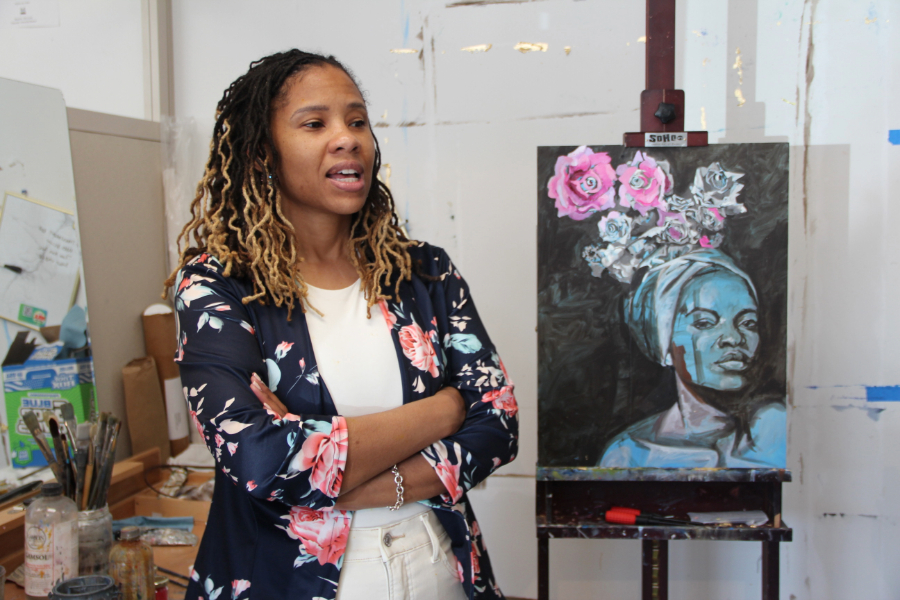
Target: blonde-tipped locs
x,y
236,212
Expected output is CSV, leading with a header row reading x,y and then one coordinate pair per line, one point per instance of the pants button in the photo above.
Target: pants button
x,y
387,539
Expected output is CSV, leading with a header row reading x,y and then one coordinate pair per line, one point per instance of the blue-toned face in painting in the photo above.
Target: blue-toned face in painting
x,y
715,330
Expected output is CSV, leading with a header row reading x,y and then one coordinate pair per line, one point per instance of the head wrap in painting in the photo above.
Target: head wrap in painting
x,y
650,307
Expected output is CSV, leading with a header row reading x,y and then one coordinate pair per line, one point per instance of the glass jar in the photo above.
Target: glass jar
x,y
162,587
51,541
95,540
131,565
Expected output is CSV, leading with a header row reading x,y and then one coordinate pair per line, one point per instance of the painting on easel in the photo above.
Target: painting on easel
x,y
662,306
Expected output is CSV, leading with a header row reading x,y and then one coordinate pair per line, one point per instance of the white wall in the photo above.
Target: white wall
x,y
819,74
95,56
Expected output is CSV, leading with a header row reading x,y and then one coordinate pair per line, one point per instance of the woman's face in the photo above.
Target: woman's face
x,y
715,331
326,148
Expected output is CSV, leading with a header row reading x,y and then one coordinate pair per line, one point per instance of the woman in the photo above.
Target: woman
x,y
338,372
697,314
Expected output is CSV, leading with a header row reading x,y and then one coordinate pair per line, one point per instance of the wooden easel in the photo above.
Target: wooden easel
x,y
571,502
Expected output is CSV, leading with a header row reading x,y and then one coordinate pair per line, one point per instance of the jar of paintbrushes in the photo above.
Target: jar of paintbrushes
x,y
94,459
82,460
95,539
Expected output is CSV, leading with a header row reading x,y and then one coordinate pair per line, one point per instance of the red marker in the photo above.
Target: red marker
x,y
623,509
629,518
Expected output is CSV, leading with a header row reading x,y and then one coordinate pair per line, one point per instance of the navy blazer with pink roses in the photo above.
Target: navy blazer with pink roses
x,y
272,531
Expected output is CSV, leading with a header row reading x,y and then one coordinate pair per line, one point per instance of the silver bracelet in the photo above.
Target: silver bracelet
x,y
398,479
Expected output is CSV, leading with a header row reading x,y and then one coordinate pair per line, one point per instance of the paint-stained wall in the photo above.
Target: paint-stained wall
x,y
459,116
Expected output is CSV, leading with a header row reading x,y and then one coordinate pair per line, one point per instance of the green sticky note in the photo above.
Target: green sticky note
x,y
32,315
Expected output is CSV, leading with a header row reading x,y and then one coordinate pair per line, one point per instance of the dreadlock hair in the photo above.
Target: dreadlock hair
x,y
236,213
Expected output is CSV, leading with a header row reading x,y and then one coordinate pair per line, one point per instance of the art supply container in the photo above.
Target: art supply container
x,y
95,538
90,587
162,587
131,565
51,541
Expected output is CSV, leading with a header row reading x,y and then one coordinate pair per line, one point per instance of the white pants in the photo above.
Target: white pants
x,y
407,560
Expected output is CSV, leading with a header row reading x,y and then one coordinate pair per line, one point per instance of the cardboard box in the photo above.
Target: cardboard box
x,y
44,386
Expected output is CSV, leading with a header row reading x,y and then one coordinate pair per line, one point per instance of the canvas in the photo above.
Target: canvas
x,y
662,305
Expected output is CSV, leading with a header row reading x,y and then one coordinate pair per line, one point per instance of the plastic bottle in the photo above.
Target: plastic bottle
x,y
51,541
131,565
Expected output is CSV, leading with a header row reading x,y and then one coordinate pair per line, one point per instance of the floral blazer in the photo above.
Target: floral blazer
x,y
272,530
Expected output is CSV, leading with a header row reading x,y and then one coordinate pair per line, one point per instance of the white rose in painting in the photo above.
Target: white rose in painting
x,y
615,227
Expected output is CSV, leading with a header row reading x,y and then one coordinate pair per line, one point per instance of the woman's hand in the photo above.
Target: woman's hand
x,y
265,395
449,397
414,426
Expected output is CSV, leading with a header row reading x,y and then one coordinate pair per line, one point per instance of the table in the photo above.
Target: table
x,y
128,496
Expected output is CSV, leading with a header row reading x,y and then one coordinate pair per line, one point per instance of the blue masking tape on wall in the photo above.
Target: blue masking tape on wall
x,y
887,393
894,136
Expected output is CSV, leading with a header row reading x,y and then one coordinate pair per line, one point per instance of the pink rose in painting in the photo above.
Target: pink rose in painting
x,y
418,349
251,485
389,317
459,572
232,447
676,231
219,440
711,242
583,183
644,183
324,535
502,399
326,455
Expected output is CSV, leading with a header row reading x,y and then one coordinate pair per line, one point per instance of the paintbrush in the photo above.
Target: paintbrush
x,y
82,454
100,445
31,422
67,411
103,474
72,472
110,461
58,449
90,468
100,439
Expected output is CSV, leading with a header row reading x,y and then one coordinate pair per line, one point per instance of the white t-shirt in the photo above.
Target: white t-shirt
x,y
358,361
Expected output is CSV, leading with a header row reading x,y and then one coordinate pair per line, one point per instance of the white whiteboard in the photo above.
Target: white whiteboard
x,y
40,259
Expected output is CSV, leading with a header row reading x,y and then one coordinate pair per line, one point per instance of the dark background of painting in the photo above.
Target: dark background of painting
x,y
592,380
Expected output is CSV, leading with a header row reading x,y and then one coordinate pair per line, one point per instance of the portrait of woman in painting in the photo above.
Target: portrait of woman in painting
x,y
698,315
662,307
